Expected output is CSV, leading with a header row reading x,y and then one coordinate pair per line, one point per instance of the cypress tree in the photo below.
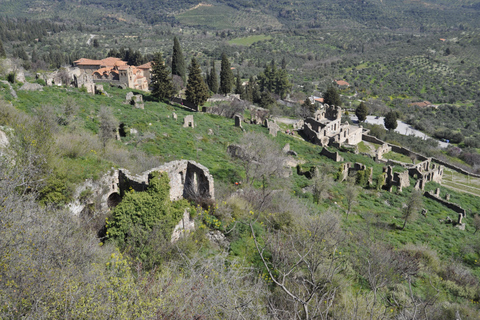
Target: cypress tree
x,y
213,84
390,120
2,50
161,83
178,61
282,85
361,112
197,90
238,85
332,98
226,76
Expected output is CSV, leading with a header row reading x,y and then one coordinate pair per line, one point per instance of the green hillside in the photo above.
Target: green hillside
x,y
445,260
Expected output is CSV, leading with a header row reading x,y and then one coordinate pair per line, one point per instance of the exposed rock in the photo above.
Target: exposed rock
x,y
218,238
460,226
20,76
31,87
210,132
185,225
292,153
286,148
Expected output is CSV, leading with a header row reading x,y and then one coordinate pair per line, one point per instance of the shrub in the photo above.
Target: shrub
x,y
141,212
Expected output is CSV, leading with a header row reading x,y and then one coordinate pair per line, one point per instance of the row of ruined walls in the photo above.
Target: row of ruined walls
x,y
418,156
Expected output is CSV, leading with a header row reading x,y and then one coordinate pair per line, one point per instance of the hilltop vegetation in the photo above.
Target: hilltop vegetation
x,y
444,259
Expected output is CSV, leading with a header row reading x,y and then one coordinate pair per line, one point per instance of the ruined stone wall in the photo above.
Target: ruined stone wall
x,y
354,136
187,179
384,148
331,155
453,206
455,168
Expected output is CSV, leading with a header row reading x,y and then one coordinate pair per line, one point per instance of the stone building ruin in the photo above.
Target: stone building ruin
x,y
188,180
188,121
426,171
398,179
325,128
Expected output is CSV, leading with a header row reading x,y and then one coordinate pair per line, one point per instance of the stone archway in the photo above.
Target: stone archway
x,y
113,200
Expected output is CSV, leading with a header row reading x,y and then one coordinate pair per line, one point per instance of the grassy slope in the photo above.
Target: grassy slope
x,y
172,141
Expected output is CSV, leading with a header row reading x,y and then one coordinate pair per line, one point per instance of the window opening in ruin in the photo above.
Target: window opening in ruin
x,y
182,179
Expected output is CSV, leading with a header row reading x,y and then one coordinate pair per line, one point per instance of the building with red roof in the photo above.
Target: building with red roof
x,y
116,71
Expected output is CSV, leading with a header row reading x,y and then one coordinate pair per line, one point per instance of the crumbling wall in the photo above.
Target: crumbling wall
x,y
453,206
335,156
272,126
399,179
384,148
187,179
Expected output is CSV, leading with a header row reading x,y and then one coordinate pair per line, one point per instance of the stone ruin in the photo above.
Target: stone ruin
x,y
426,171
325,128
188,180
136,100
453,206
384,148
272,126
238,120
258,116
347,170
84,80
174,116
188,121
399,179
335,156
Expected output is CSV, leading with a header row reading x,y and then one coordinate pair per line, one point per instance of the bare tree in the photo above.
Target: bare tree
x,y
108,125
261,159
322,183
414,203
351,194
476,223
303,264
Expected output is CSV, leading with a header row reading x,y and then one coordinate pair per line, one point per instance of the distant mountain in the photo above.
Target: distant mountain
x,y
391,14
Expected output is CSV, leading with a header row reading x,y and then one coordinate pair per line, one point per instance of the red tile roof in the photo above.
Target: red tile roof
x,y
422,104
147,65
107,62
342,83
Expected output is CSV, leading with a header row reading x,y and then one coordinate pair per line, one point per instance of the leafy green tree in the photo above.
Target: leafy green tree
x,y
361,112
178,61
161,83
213,79
197,90
226,76
238,85
390,120
331,97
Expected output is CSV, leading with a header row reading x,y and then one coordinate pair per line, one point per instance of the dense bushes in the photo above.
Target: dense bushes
x,y
143,222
